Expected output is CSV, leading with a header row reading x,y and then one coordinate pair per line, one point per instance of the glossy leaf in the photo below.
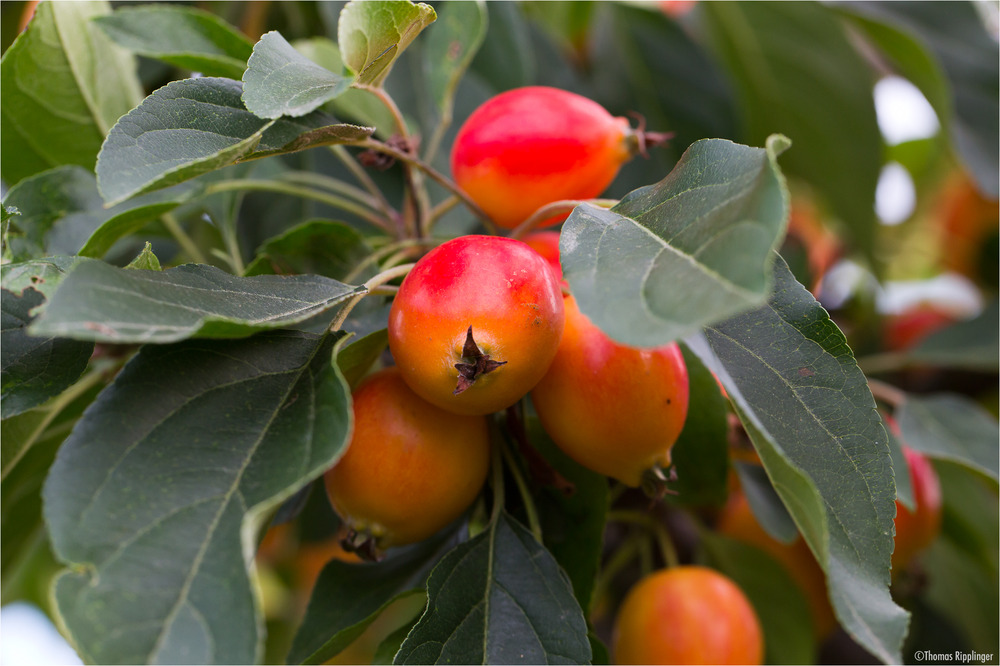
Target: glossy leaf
x,y
952,427
321,247
34,369
451,43
807,408
499,598
63,213
349,596
280,81
372,33
690,250
784,614
63,84
796,72
183,36
155,499
107,304
195,126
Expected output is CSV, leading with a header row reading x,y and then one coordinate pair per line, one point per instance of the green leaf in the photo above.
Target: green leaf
x,y
321,247
331,622
42,275
64,84
572,525
646,58
182,130
145,260
106,304
358,356
973,344
797,72
63,213
389,646
183,36
765,503
701,454
499,598
900,468
781,606
450,45
506,58
280,81
952,427
33,369
958,38
372,34
156,498
805,404
690,250
195,126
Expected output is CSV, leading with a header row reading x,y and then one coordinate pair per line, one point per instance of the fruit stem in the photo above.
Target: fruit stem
x,y
183,239
365,180
553,209
496,465
434,174
529,503
405,245
370,285
659,531
887,393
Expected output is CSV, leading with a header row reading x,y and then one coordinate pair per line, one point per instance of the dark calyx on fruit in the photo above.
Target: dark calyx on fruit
x,y
480,364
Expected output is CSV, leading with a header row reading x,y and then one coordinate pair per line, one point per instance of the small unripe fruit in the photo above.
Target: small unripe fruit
x,y
411,468
615,409
476,323
687,615
528,147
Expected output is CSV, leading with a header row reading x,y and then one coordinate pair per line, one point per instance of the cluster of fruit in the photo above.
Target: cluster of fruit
x,y
480,322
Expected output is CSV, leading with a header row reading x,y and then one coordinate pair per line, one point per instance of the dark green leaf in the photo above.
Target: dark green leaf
x,y
195,126
63,213
33,369
146,260
781,606
279,81
765,503
572,525
372,34
956,35
387,649
904,485
692,249
499,598
182,130
156,498
506,59
359,355
450,45
973,344
797,72
183,36
29,442
348,597
952,427
701,454
964,591
107,304
970,512
646,58
807,408
42,275
64,84
321,247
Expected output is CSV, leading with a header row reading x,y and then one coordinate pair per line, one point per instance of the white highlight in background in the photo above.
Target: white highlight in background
x,y
895,194
30,639
904,114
